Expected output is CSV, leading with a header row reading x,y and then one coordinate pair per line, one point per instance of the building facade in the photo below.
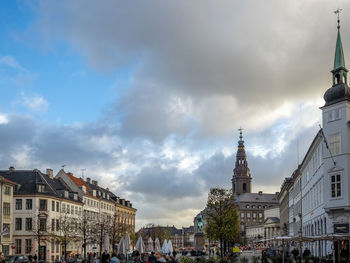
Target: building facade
x,y
6,217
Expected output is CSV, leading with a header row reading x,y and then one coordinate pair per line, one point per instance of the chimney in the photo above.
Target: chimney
x,y
49,172
277,193
94,182
260,193
12,168
88,180
107,189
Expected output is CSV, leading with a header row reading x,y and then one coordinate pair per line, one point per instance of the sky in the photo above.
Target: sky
x,y
147,97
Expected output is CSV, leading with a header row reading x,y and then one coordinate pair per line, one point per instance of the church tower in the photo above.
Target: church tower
x,y
241,180
336,120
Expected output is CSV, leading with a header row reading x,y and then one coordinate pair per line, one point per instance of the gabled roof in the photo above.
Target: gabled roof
x,y
272,220
80,182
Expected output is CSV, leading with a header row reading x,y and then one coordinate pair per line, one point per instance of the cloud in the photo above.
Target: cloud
x,y
34,102
12,62
198,63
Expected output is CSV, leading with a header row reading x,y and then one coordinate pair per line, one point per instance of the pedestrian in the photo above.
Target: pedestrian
x,y
306,253
2,257
114,258
35,257
30,258
152,258
295,253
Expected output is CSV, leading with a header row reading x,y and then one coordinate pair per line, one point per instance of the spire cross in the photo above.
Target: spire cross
x,y
338,12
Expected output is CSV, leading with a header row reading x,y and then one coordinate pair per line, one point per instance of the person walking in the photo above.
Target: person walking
x,y
35,258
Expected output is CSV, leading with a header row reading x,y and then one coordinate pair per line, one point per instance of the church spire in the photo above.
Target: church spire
x,y
241,180
339,61
339,91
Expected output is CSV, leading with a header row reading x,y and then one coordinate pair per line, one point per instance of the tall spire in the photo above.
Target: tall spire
x,y
339,61
241,180
340,90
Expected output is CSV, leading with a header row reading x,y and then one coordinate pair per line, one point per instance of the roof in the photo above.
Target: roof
x,y
339,61
28,180
80,182
272,220
256,198
6,181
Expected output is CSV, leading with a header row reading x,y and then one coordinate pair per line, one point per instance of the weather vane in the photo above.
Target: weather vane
x,y
338,13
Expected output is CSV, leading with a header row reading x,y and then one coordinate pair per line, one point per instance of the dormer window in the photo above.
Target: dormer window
x,y
41,188
75,197
66,194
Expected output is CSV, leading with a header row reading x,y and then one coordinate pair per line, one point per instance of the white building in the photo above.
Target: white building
x,y
319,199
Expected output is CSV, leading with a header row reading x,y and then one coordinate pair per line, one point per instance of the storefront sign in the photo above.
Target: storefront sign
x,y
341,228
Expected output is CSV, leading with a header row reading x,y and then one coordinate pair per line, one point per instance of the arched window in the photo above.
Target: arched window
x,y
244,187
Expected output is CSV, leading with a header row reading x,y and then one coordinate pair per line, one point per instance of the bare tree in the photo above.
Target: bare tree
x,y
69,228
101,228
38,225
86,230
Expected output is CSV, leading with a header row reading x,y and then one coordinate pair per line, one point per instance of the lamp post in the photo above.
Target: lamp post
x,y
301,235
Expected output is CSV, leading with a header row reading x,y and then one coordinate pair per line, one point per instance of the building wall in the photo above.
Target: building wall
x,y
6,221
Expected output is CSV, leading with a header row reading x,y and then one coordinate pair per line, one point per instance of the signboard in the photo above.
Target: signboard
x,y
341,228
235,249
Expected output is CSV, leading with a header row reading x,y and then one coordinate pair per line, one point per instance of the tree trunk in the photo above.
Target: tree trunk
x,y
221,247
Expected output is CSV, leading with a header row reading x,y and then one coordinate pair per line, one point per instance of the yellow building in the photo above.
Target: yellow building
x,y
6,214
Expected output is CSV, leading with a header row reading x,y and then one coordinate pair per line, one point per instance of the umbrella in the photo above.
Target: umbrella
x,y
157,245
106,243
121,246
150,245
127,242
165,247
170,247
140,246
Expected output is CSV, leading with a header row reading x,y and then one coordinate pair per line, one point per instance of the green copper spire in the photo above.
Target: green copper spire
x,y
339,61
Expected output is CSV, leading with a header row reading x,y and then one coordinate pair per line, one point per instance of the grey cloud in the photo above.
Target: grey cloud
x,y
198,50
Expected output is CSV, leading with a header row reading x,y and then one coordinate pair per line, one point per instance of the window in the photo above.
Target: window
x,y
242,215
247,206
254,215
28,246
29,224
248,215
57,247
18,204
76,210
53,206
41,188
335,185
6,226
42,224
57,225
68,209
57,206
72,210
53,224
29,204
63,208
18,243
7,190
334,143
52,246
18,224
244,187
43,205
260,215
334,115
6,209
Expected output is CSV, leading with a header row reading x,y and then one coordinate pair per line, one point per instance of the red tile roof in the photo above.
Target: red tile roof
x,y
80,182
3,179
